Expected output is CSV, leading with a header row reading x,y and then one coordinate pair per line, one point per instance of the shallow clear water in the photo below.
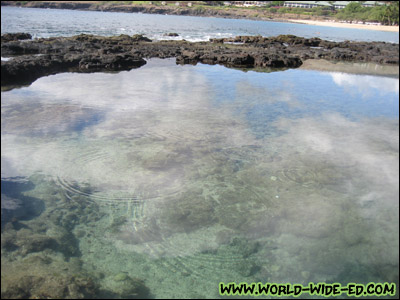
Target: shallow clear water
x,y
186,176
56,22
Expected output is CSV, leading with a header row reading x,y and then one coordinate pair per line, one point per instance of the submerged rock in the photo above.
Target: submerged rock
x,y
47,286
30,243
126,287
9,204
15,206
121,277
40,257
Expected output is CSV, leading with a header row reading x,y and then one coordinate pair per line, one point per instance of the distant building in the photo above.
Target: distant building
x,y
256,3
340,4
247,3
308,4
371,3
181,3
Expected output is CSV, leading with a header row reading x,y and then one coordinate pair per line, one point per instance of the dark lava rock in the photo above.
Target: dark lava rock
x,y
171,34
82,53
140,38
7,37
87,53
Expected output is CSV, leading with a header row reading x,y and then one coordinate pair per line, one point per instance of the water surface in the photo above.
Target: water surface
x,y
202,174
57,22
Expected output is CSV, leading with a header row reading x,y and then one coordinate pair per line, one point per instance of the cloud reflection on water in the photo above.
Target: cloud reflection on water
x,y
366,85
321,189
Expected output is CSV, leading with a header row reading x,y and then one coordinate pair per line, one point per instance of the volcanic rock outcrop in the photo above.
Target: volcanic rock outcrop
x,y
32,59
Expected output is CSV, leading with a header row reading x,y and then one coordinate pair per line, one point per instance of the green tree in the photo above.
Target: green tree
x,y
215,3
283,10
386,14
377,14
278,3
391,13
353,7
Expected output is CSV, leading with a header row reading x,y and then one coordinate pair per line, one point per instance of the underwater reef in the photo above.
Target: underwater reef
x,y
40,248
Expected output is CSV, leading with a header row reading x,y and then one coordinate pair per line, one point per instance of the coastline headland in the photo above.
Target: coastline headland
x,y
30,59
231,12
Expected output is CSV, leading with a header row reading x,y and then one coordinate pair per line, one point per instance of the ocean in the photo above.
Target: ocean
x,y
57,22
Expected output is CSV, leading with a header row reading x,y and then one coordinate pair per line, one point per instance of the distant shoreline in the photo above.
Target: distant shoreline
x,y
347,25
234,13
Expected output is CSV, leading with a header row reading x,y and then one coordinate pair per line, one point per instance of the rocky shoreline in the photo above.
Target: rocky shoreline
x,y
32,59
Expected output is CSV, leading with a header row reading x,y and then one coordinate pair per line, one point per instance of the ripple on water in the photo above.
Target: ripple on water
x,y
111,172
73,191
198,253
302,176
190,239
319,176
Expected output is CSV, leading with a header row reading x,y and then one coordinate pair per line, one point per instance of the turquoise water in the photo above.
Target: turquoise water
x,y
166,180
56,22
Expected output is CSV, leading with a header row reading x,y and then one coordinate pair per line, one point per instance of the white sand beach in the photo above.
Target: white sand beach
x,y
348,25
